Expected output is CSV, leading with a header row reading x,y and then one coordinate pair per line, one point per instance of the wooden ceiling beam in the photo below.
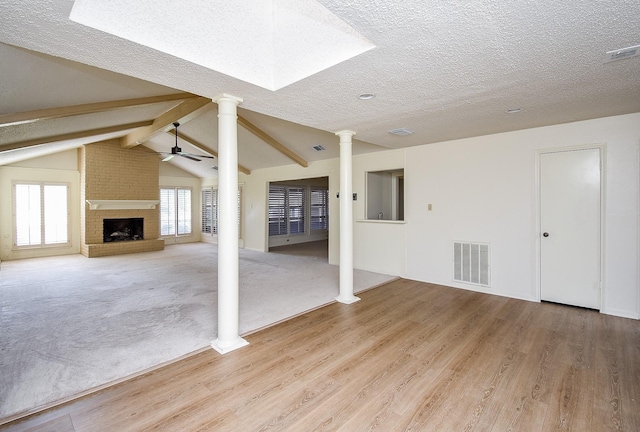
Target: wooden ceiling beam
x,y
75,135
205,149
182,113
74,110
272,141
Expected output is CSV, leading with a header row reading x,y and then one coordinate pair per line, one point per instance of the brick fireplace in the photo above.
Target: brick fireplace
x,y
118,183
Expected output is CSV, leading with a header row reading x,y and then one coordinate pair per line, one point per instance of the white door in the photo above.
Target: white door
x,y
570,227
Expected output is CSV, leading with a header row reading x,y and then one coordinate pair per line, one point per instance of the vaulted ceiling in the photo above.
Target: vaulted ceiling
x,y
444,70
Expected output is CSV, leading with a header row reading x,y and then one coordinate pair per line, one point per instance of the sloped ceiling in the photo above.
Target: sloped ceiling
x,y
444,70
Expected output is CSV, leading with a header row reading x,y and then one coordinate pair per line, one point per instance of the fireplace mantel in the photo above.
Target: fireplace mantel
x,y
122,204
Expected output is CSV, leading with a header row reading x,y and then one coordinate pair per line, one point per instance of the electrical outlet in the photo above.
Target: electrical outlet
x,y
429,207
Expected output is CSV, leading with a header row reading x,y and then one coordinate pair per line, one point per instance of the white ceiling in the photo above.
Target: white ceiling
x,y
445,70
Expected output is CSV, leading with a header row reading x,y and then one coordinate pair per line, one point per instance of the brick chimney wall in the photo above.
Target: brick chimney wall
x,y
110,172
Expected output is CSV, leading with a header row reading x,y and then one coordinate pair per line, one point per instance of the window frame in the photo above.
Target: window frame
x,y
214,211
177,220
384,195
43,215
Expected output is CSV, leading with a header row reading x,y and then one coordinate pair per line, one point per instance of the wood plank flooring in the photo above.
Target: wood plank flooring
x,y
409,356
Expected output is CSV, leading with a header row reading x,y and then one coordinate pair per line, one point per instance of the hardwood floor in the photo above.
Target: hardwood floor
x,y
408,357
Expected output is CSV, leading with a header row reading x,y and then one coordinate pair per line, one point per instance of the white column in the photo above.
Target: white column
x,y
228,269
346,219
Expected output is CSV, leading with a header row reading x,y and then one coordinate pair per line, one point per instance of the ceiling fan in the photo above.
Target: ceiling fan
x,y
177,151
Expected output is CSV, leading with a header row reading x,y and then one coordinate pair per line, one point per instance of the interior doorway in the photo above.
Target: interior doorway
x,y
298,217
570,187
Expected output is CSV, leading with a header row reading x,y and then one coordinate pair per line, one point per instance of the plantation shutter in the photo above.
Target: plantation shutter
x,y
207,211
56,225
277,210
167,212
296,209
183,209
319,209
41,214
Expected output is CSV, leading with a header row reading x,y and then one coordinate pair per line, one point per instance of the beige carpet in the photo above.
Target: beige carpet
x,y
71,323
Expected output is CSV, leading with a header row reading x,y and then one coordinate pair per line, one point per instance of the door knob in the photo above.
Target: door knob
x,y
545,234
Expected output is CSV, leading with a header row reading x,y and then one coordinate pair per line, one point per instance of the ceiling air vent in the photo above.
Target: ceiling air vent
x,y
401,131
318,147
623,53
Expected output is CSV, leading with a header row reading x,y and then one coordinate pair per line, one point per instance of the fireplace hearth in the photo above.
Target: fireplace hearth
x,y
124,229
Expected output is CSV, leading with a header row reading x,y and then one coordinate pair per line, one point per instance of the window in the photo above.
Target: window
x,y
175,211
286,210
296,209
210,211
41,214
277,210
289,209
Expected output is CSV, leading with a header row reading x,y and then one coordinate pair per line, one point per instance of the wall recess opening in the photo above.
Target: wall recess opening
x,y
385,195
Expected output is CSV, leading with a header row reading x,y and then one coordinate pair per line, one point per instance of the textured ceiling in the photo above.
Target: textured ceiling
x,y
445,70
268,43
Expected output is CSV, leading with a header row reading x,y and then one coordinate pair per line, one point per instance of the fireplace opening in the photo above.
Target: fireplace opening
x,y
125,229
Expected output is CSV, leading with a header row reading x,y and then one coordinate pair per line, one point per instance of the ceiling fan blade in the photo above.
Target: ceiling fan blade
x,y
168,158
189,157
198,155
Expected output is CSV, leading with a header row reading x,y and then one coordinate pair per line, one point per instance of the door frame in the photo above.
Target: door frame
x,y
538,233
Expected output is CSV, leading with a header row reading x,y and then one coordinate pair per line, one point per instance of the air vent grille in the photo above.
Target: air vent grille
x,y
471,263
623,53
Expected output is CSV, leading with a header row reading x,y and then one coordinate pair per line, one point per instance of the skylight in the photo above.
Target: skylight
x,y
271,43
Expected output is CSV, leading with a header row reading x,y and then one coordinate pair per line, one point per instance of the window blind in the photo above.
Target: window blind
x,y
319,209
210,211
296,201
277,210
207,211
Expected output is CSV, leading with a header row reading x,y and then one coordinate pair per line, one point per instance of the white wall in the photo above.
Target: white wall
x,y
483,189
378,246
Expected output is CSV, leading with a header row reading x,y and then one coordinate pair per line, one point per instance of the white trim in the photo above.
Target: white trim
x,y
382,221
603,152
226,347
621,313
638,243
122,204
